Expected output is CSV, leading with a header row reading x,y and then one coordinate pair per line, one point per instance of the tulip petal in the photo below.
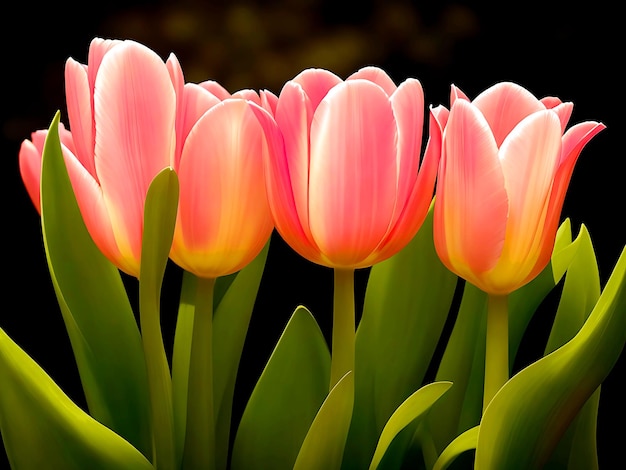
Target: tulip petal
x,y
504,105
416,208
573,142
215,88
135,109
471,203
408,108
80,112
224,220
377,76
30,171
529,157
316,83
195,101
290,175
353,169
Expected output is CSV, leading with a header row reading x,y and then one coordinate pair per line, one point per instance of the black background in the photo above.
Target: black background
x,y
573,52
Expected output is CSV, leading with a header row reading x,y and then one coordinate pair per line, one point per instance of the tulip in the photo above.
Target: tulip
x,y
121,108
223,222
349,191
30,154
506,163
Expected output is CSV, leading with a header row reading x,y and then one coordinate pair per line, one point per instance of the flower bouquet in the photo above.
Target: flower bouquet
x,y
457,218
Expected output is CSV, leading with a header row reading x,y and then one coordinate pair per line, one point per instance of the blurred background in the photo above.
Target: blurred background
x,y
549,48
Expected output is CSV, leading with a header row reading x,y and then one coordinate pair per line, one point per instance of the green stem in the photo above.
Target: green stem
x,y
159,379
199,450
343,334
497,351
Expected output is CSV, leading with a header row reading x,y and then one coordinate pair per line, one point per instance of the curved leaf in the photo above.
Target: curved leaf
x,y
42,428
230,326
97,313
406,305
286,398
526,419
158,231
462,443
410,410
324,443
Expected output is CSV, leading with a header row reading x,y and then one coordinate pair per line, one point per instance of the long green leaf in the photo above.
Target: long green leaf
x,y
324,443
528,416
42,428
286,398
410,410
158,230
230,327
406,305
97,313
464,442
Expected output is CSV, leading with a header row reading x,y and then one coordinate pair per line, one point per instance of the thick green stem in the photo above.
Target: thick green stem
x,y
160,383
199,450
497,351
344,327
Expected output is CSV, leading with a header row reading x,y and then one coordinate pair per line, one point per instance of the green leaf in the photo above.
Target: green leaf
x,y
526,419
581,290
462,443
230,327
286,398
409,411
324,443
97,313
42,428
158,230
406,305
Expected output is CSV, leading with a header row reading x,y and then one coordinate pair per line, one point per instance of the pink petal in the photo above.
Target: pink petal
x,y
455,94
419,200
573,143
529,157
135,110
550,102
30,170
218,90
504,105
408,108
564,111
247,94
269,101
375,75
293,115
316,83
80,113
224,219
471,202
353,171
193,103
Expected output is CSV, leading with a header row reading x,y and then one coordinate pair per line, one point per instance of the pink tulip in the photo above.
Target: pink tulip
x,y
223,218
349,192
506,164
121,109
30,160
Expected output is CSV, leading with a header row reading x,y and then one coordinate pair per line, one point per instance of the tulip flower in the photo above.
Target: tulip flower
x,y
506,163
121,108
30,160
223,222
349,191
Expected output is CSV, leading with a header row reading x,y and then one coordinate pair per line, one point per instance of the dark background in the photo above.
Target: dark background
x,y
573,52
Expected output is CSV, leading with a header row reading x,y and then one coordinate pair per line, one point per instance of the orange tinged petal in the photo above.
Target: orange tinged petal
x,y
472,203
224,219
